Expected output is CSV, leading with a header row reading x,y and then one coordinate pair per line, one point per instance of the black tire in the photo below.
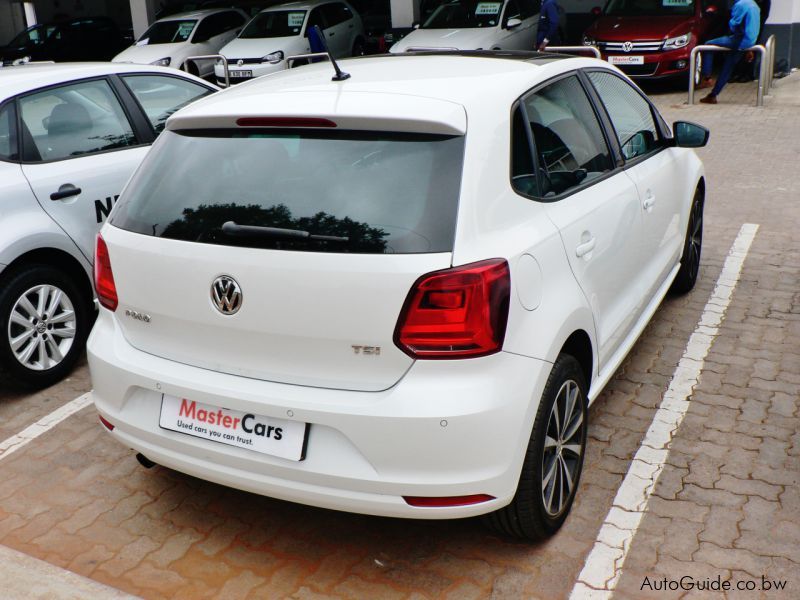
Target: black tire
x,y
21,283
528,516
692,248
358,48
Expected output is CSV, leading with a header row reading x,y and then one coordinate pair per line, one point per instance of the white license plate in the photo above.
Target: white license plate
x,y
235,74
277,437
626,60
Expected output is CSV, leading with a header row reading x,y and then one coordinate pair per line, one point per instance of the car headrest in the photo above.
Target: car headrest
x,y
68,118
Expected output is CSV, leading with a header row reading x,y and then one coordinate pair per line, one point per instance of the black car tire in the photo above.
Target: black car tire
x,y
528,516
692,247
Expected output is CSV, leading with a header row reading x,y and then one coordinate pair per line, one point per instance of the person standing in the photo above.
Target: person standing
x,y
547,33
744,28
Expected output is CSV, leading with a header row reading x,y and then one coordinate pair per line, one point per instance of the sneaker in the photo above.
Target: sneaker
x,y
710,99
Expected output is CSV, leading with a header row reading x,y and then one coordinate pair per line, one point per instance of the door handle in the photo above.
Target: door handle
x,y
585,247
331,34
649,201
65,191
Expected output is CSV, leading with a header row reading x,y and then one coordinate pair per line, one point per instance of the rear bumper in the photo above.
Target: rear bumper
x,y
448,428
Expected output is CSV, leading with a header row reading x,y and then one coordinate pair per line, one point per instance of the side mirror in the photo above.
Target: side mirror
x,y
513,22
597,11
689,135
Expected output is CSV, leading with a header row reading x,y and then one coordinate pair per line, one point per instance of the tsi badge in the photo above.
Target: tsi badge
x,y
226,295
367,350
137,315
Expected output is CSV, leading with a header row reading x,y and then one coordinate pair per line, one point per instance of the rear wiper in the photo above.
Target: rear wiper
x,y
233,229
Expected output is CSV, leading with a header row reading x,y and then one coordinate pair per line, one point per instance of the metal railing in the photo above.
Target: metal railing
x,y
766,67
224,60
570,49
770,47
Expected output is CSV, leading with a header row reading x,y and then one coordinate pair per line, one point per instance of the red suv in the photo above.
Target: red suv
x,y
653,38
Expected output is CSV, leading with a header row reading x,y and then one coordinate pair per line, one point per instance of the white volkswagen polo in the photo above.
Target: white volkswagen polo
x,y
394,293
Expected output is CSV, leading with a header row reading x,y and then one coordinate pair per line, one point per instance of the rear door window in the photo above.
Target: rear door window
x,y
571,149
160,95
74,120
375,193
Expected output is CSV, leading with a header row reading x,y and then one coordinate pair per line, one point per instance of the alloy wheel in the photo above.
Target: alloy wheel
x,y
695,238
41,328
563,448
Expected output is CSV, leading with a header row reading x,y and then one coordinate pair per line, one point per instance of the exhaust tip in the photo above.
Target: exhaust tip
x,y
144,461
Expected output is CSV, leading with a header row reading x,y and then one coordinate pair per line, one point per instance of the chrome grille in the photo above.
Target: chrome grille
x,y
651,46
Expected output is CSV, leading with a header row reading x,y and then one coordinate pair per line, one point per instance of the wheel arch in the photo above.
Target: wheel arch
x,y
57,258
579,346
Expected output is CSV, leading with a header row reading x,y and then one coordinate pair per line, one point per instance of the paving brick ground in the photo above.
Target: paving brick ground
x,y
728,502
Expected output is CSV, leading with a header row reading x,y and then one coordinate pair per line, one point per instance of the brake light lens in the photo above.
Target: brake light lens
x,y
456,313
103,276
285,122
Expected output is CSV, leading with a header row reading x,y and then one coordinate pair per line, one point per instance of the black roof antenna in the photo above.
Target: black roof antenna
x,y
340,75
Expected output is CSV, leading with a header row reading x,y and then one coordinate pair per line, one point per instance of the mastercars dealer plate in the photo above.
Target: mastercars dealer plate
x,y
277,437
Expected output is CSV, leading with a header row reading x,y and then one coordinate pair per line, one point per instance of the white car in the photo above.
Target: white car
x,y
476,25
281,31
70,137
170,41
399,292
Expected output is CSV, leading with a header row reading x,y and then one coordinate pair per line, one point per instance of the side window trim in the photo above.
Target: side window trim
x,y
25,152
15,141
664,136
521,100
139,122
519,106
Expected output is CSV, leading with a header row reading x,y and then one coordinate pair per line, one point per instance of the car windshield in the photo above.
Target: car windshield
x,y
649,8
33,36
275,23
375,192
168,32
461,14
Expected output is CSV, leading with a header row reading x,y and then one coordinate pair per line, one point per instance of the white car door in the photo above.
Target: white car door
x,y
337,34
79,150
594,205
523,36
655,170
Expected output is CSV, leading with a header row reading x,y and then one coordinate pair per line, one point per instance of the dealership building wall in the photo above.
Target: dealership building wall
x,y
784,19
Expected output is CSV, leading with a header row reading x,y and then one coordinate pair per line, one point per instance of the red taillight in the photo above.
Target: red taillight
x,y
107,424
444,501
457,313
284,122
103,277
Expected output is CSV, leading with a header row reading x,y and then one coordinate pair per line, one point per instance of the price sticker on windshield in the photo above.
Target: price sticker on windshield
x,y
677,2
296,19
488,8
185,29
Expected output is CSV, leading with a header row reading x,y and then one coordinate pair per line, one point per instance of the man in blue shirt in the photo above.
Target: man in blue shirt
x,y
744,26
547,34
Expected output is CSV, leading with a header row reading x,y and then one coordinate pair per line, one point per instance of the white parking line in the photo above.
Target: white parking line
x,y
603,566
46,423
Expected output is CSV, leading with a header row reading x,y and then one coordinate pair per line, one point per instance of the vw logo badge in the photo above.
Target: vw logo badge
x,y
226,295
239,62
627,46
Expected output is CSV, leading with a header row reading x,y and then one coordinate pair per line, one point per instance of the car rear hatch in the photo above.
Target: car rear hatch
x,y
283,250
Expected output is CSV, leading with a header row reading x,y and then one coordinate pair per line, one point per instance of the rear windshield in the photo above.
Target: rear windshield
x,y
376,193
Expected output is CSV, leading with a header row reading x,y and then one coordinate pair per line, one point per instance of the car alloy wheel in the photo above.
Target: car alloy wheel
x,y
692,248
41,328
563,449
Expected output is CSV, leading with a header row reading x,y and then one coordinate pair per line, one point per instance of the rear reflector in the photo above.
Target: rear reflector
x,y
444,501
284,122
106,423
456,313
103,276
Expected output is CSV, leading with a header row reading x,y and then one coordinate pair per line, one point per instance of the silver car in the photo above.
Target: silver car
x,y
70,137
